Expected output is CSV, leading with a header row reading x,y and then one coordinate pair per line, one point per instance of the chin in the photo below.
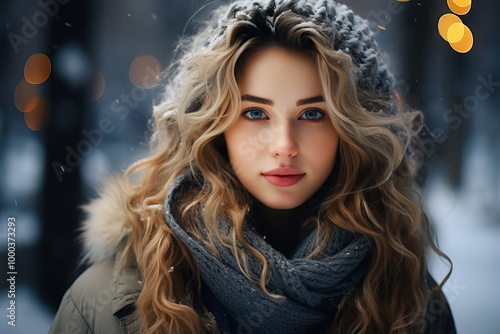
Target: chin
x,y
282,204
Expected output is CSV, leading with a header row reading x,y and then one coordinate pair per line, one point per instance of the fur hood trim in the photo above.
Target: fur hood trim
x,y
107,223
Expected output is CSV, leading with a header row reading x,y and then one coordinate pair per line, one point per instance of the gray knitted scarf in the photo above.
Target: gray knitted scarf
x,y
312,288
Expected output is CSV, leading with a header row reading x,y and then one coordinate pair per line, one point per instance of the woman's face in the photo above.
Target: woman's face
x,y
283,145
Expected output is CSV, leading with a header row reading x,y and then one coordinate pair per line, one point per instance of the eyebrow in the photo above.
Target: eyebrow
x,y
262,100
311,100
256,99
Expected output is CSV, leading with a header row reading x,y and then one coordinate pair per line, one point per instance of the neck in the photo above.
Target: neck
x,y
282,227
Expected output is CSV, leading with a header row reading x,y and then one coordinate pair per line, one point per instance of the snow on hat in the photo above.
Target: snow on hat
x,y
347,32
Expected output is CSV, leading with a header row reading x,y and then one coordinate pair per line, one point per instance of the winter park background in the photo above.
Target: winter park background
x,y
96,55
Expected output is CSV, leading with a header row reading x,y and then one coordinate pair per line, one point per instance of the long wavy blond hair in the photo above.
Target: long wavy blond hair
x,y
375,194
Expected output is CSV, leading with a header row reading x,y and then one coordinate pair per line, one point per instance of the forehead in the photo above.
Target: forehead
x,y
277,70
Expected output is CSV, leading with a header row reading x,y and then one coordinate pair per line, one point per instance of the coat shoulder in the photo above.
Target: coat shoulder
x,y
438,318
87,306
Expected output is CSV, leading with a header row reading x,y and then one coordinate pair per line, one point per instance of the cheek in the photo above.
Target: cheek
x,y
239,147
323,147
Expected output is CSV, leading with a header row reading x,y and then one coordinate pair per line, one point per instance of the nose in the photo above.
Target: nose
x,y
284,143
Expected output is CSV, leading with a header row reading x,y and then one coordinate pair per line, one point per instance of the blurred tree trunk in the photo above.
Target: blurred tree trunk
x,y
62,187
419,22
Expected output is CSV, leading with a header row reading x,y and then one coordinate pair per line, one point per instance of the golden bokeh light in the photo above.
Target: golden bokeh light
x,y
37,69
26,96
460,7
38,117
462,3
452,29
465,44
403,0
98,86
144,71
456,32
445,22
381,27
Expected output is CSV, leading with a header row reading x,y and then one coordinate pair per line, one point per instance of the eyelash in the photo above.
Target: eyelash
x,y
319,111
248,110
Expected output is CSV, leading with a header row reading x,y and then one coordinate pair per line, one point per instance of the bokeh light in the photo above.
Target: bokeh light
x,y
26,96
456,32
37,68
144,71
460,7
445,22
73,65
465,44
98,86
463,3
38,117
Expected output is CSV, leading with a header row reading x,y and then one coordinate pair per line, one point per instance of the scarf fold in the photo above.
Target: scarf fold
x,y
312,288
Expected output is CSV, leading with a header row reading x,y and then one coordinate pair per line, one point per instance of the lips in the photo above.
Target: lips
x,y
284,176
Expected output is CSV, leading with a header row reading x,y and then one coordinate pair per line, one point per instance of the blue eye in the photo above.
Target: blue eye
x,y
255,114
312,114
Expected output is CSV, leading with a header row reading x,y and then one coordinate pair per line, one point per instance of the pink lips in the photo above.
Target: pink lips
x,y
284,176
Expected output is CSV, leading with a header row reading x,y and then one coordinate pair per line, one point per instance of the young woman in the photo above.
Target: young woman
x,y
279,196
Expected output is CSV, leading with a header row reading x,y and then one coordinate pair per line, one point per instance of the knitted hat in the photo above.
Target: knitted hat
x,y
348,33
